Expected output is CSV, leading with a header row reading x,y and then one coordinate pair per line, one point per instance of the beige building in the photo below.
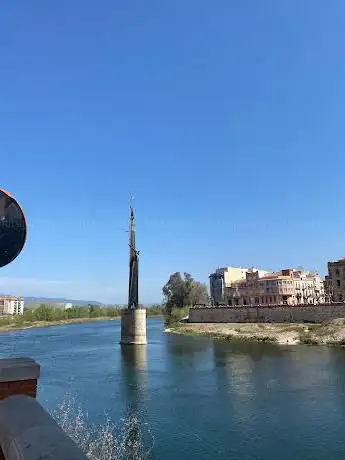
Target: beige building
x,y
287,287
10,305
336,280
327,284
224,278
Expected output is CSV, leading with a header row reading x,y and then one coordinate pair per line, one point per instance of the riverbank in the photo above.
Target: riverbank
x,y
330,333
30,325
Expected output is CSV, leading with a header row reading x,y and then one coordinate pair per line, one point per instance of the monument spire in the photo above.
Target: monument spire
x,y
133,292
133,318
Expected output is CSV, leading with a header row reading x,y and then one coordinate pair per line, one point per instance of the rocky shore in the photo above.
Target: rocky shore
x,y
330,333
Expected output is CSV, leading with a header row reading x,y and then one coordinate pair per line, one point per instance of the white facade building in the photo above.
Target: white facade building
x,y
286,287
224,278
10,305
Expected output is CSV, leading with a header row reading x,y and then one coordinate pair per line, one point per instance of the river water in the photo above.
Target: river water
x,y
200,399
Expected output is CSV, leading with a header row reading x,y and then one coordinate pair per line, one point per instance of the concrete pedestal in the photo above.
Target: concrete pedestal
x,y
133,327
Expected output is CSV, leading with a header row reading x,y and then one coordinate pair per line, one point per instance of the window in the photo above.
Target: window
x,y
340,298
338,283
337,271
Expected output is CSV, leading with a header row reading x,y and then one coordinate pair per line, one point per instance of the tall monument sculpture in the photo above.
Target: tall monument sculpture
x,y
133,318
133,287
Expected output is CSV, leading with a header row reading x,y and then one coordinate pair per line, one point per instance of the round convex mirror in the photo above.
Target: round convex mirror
x,y
12,229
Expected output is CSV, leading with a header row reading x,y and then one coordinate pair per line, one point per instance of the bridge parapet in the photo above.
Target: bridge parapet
x,y
18,376
27,431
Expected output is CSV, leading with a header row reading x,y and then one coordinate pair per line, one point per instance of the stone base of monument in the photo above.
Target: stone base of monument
x,y
133,327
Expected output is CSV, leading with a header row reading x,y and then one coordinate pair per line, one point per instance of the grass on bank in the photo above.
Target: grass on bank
x,y
175,316
47,314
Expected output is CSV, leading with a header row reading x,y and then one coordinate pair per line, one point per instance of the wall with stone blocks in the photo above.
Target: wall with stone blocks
x,y
271,314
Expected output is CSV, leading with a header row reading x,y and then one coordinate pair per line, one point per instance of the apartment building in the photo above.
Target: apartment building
x,y
10,305
336,280
286,287
224,278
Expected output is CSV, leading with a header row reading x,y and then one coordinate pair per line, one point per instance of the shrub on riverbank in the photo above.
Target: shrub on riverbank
x,y
306,338
175,315
5,321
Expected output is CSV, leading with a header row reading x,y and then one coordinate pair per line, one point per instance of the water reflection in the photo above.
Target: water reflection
x,y
254,351
240,362
179,345
134,372
134,378
234,374
188,352
249,370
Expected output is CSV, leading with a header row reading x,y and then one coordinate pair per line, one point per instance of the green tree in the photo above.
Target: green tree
x,y
181,291
199,294
174,292
43,313
28,315
95,311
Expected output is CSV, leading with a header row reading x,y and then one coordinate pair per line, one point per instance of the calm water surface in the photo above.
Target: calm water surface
x,y
201,399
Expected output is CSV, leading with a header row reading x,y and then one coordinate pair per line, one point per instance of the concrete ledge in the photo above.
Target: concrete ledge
x,y
15,369
28,432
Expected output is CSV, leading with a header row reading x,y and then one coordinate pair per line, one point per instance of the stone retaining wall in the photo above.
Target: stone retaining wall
x,y
267,314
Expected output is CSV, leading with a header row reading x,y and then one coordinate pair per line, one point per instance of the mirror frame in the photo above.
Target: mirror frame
x,y
24,222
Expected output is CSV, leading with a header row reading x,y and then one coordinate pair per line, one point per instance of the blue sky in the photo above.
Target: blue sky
x,y
224,119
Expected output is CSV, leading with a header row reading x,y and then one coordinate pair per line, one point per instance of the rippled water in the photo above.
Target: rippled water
x,y
201,399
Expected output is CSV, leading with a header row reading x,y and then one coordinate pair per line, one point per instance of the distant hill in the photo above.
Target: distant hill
x,y
31,301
